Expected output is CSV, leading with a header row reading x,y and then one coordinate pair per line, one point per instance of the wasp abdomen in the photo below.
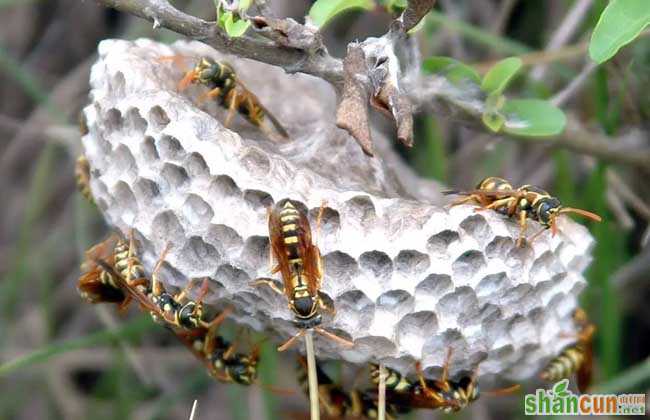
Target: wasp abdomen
x,y
289,218
564,365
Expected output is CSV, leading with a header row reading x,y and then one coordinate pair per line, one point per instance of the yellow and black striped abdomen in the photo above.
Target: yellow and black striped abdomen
x,y
564,365
121,257
493,183
289,218
394,380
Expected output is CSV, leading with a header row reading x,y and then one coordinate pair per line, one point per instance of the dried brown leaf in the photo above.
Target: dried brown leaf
x,y
352,112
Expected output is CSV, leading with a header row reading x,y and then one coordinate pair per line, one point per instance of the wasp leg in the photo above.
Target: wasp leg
x,y
334,337
523,223
156,286
319,219
130,257
291,341
468,199
269,283
211,94
180,296
501,202
436,396
124,304
329,309
232,107
443,383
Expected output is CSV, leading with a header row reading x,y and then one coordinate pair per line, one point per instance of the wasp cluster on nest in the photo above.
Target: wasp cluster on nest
x,y
409,279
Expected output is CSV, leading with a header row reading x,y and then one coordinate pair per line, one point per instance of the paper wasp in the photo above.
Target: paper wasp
x,y
82,176
213,351
525,202
219,356
300,266
444,394
176,310
336,402
97,285
230,93
576,358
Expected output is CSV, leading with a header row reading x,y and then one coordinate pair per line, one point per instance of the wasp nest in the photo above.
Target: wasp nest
x,y
408,277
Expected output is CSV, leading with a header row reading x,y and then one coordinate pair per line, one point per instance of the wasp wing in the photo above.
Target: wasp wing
x,y
276,123
310,255
585,372
279,250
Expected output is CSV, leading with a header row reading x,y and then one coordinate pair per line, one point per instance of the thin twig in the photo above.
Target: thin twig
x,y
193,410
627,380
381,403
301,52
576,84
627,194
503,16
131,354
564,32
313,378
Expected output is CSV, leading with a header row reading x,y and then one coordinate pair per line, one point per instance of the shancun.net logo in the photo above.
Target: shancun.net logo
x,y
560,400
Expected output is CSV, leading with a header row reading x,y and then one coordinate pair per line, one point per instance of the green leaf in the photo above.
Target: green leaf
x,y
533,117
493,120
234,27
322,11
454,70
395,6
498,77
130,330
560,388
620,23
492,116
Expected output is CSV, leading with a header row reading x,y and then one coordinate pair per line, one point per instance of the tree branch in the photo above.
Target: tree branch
x,y
290,57
299,48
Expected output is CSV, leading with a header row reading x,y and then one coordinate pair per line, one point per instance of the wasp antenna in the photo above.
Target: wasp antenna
x,y
186,80
585,213
334,337
161,260
203,291
503,391
278,390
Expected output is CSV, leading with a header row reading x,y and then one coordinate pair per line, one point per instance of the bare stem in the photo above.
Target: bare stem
x,y
193,412
299,48
313,378
381,403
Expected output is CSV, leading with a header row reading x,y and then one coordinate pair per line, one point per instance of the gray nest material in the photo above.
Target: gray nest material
x,y
408,277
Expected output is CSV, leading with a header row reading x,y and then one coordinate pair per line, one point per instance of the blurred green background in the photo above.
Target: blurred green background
x,y
89,362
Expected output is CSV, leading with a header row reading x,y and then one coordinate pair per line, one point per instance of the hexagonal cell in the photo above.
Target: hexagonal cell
x,y
169,147
439,242
134,122
377,263
223,186
478,228
196,166
148,149
467,266
174,176
158,117
196,211
361,210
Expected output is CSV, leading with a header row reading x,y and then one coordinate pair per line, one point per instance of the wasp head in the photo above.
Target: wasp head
x,y
243,370
304,305
547,209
